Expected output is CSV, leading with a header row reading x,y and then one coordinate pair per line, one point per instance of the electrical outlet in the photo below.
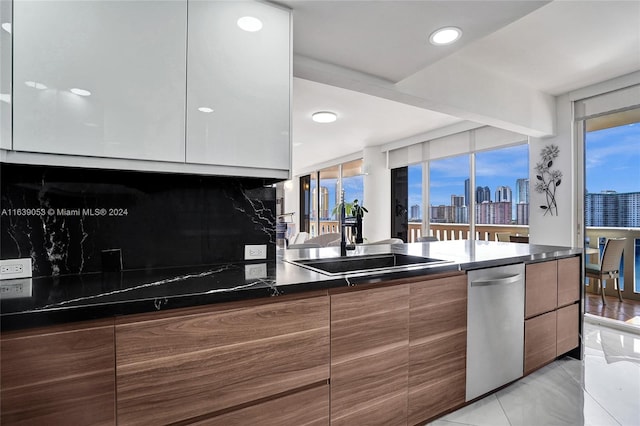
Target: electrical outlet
x,y
252,252
255,271
15,268
16,289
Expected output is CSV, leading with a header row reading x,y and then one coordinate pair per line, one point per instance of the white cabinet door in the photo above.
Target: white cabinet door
x,y
127,57
5,74
238,85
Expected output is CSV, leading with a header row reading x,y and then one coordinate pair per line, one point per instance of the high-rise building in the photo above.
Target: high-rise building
x,y
415,213
324,202
522,191
457,200
483,194
612,209
503,194
494,213
522,213
438,214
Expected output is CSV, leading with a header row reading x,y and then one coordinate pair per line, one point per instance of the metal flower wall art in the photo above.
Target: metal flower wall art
x,y
548,180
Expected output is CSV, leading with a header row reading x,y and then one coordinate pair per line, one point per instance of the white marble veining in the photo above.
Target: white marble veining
x,y
602,389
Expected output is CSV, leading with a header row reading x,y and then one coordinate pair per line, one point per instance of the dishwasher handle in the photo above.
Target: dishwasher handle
x,y
496,281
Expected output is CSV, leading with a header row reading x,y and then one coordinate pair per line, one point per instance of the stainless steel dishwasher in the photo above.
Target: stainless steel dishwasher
x,y
495,328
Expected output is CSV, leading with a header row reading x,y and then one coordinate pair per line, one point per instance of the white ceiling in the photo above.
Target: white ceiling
x,y
376,51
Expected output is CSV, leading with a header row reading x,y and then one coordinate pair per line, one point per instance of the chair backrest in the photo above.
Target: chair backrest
x,y
324,239
426,239
503,236
299,238
612,254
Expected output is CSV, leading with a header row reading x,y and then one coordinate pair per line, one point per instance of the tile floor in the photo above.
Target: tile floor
x,y
603,389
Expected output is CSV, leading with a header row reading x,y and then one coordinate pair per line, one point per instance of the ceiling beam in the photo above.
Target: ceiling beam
x,y
451,87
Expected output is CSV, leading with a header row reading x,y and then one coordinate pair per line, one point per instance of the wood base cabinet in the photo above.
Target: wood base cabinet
x,y
552,313
369,357
191,364
437,347
59,375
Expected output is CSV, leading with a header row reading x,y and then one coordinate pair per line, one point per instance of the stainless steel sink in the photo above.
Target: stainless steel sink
x,y
365,263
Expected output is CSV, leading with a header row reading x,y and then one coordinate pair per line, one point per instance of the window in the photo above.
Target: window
x,y
320,194
449,190
502,186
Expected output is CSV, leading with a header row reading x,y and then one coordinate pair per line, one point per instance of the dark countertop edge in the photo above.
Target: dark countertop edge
x,y
57,316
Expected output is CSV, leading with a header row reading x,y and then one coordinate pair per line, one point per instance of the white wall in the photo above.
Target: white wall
x,y
558,229
377,199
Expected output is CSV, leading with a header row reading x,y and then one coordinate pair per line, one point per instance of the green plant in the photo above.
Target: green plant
x,y
350,209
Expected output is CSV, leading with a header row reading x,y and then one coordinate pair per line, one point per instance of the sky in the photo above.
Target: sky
x,y
495,168
613,159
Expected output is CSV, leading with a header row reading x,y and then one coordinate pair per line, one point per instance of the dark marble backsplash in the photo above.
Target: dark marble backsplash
x,y
72,220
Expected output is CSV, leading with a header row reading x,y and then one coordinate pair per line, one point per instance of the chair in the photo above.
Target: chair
x,y
426,239
609,266
503,236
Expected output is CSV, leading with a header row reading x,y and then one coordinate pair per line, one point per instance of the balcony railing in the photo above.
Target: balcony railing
x,y
460,231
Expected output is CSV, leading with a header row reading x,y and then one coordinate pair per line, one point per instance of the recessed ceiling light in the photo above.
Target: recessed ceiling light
x,y
7,27
205,109
80,92
446,35
35,85
249,23
324,117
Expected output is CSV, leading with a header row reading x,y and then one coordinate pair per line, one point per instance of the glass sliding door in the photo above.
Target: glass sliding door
x,y
612,191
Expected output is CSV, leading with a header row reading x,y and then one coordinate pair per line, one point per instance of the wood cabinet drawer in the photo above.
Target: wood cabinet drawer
x,y
568,323
305,408
539,341
181,367
50,376
568,281
541,294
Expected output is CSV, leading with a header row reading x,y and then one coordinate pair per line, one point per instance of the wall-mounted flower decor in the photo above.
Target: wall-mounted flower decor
x,y
548,180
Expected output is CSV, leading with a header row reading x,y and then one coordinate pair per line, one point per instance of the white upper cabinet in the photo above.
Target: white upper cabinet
x,y
5,74
100,78
238,85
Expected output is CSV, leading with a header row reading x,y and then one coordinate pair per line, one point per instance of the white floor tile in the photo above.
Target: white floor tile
x,y
602,389
485,412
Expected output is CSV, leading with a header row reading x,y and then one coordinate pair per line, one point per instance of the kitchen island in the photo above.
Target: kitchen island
x,y
228,343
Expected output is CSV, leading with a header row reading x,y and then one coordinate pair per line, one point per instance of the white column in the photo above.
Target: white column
x,y
377,195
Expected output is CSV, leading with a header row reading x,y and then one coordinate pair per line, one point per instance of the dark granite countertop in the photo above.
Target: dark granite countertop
x,y
53,300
